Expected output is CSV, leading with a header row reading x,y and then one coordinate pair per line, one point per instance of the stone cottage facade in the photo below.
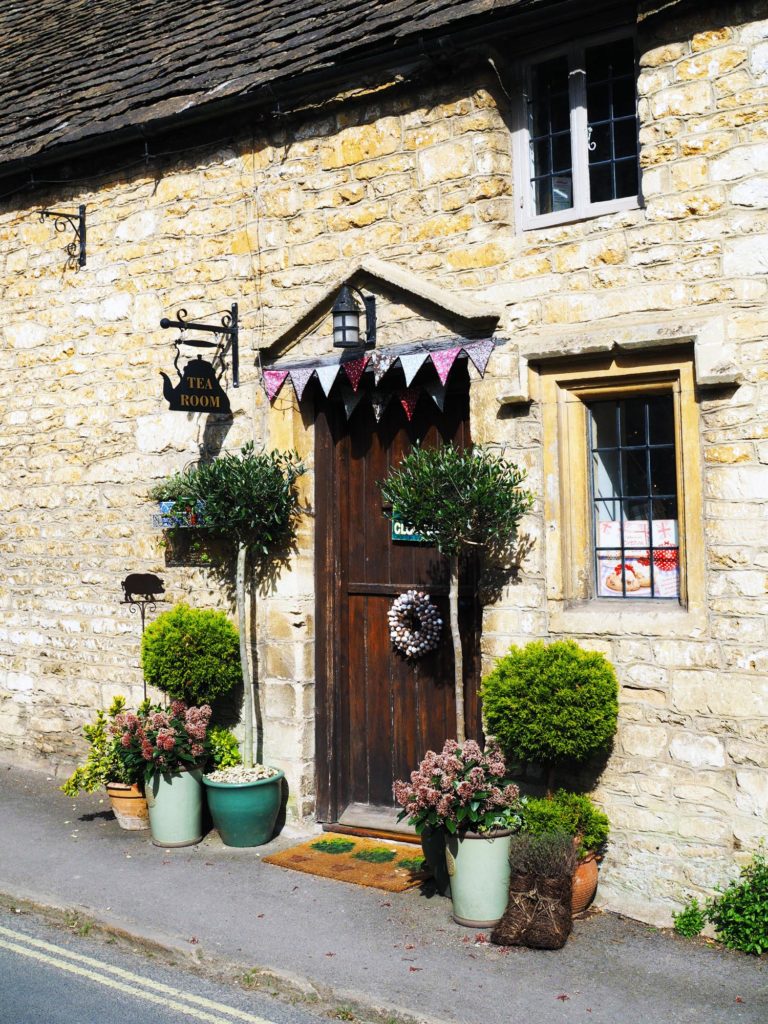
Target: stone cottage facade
x,y
420,157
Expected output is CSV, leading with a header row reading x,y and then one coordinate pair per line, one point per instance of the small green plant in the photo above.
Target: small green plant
x,y
191,654
376,855
414,864
739,913
106,760
572,813
551,703
333,845
225,751
690,921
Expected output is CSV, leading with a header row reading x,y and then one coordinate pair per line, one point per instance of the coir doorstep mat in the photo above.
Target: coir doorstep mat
x,y
394,867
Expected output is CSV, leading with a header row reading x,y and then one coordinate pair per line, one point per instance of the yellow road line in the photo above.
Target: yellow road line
x,y
133,984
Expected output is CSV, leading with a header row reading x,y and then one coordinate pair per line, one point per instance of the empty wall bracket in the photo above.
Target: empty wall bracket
x,y
76,222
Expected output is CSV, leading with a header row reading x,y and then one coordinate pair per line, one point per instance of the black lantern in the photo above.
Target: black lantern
x,y
346,320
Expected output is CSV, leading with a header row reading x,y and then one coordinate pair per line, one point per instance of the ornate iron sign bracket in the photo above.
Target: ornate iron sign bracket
x,y
76,221
199,388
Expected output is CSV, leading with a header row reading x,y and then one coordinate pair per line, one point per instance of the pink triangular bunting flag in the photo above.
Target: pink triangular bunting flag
x,y
411,365
273,381
444,361
408,400
300,379
351,400
327,376
436,391
381,362
480,352
380,401
354,370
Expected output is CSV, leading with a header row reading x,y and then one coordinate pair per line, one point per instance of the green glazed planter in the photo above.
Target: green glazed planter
x,y
478,866
175,802
245,813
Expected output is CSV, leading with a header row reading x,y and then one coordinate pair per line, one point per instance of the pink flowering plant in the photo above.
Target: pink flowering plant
x,y
159,739
462,789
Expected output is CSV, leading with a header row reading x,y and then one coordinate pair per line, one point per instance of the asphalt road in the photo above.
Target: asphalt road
x,y
61,977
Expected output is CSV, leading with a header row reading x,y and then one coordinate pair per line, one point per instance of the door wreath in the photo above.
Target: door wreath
x,y
414,624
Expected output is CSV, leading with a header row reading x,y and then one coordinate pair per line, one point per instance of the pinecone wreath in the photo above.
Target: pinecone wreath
x,y
414,624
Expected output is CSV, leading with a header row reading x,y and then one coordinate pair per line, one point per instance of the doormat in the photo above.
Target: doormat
x,y
394,867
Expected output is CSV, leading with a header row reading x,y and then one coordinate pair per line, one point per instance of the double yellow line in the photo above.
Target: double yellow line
x,y
196,1007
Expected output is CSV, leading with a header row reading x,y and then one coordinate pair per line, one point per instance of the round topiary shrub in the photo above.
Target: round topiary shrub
x,y
550,703
191,654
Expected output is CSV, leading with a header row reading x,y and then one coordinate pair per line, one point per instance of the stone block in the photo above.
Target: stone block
x,y
752,793
445,162
711,65
360,143
643,741
697,751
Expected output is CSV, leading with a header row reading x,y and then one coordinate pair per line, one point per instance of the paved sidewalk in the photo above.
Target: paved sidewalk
x,y
387,955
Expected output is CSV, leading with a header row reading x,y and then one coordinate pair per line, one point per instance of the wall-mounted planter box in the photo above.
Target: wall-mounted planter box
x,y
168,517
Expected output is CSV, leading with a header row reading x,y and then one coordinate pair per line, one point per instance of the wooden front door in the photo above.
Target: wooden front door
x,y
377,712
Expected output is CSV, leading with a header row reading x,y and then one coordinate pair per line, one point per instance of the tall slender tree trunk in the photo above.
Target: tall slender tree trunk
x,y
242,558
458,656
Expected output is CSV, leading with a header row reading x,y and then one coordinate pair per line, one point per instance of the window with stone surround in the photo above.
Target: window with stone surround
x,y
577,145
622,483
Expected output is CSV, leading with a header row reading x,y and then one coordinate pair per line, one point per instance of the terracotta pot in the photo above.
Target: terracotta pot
x,y
129,805
584,883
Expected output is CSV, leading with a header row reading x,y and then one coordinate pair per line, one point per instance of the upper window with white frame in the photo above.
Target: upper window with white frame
x,y
578,144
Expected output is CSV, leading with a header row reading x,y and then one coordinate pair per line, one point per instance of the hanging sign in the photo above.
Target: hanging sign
x,y
198,389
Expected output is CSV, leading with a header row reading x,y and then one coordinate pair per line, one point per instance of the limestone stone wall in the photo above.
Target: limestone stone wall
x,y
422,178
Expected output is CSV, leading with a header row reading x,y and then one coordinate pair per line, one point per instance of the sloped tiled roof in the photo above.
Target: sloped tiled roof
x,y
74,70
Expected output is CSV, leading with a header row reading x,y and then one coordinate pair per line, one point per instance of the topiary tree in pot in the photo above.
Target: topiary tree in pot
x,y
191,654
460,500
551,704
250,500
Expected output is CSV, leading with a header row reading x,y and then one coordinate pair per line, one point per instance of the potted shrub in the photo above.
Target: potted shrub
x,y
461,500
108,764
538,913
191,654
577,816
551,704
249,500
171,746
463,794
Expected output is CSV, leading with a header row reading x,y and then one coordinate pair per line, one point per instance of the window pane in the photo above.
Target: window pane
x,y
633,421
610,60
598,102
663,474
541,160
600,143
624,97
605,475
561,154
625,138
600,183
626,178
635,509
562,192
661,420
603,416
635,474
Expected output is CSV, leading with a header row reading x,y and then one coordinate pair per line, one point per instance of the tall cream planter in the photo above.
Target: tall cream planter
x,y
478,866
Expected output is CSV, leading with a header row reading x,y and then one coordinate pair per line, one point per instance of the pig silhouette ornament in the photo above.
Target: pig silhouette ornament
x,y
144,586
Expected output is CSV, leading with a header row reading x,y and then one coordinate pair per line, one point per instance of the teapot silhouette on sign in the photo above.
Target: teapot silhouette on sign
x,y
198,389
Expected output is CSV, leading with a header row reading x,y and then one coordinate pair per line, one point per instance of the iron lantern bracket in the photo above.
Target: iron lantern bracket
x,y
76,221
228,328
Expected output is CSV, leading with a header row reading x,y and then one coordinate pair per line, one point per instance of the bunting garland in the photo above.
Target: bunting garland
x,y
354,370
327,376
443,360
300,379
408,400
273,381
480,352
